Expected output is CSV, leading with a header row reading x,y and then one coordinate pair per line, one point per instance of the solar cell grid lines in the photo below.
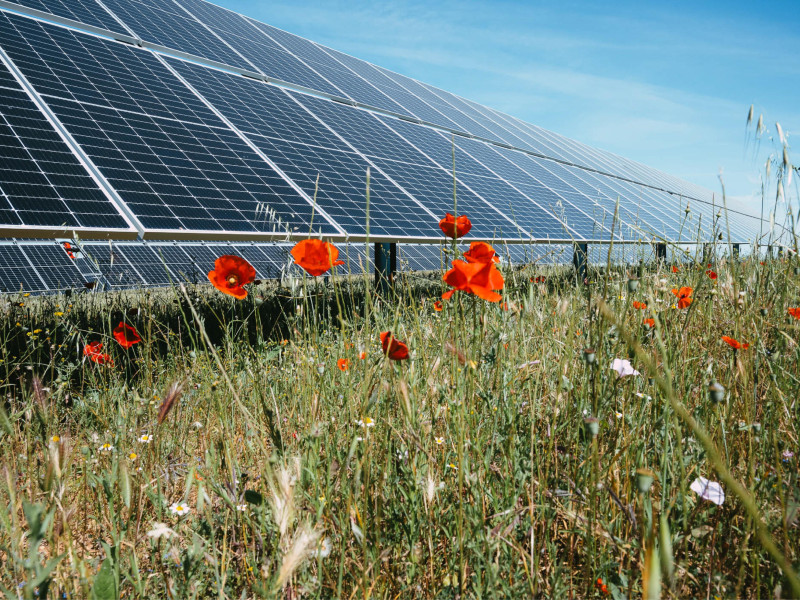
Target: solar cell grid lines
x,y
16,273
83,11
54,266
42,183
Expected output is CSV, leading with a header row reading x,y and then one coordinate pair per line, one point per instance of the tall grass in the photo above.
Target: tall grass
x,y
503,461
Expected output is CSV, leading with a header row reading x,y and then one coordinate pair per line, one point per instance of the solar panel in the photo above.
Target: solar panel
x,y
107,263
53,266
83,11
174,163
16,273
42,183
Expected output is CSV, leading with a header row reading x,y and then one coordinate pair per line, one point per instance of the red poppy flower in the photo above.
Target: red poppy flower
x,y
315,256
684,296
392,348
126,335
675,269
650,323
437,306
362,356
639,305
94,351
343,364
480,279
230,274
711,274
735,344
795,312
455,227
481,252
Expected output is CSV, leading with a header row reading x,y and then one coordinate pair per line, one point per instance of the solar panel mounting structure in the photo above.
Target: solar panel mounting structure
x,y
179,122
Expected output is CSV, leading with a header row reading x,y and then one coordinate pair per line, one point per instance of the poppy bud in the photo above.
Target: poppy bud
x,y
633,284
644,479
589,356
716,393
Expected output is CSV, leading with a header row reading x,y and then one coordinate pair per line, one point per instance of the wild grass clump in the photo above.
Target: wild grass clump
x,y
233,453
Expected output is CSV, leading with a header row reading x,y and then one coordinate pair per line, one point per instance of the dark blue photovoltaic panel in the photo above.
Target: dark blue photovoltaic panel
x,y
147,263
276,124
266,55
174,163
53,265
16,273
84,11
42,183
106,260
255,107
164,22
343,78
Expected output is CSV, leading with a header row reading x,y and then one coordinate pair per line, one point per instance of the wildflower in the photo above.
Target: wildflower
x,y
452,466
145,439
315,256
58,313
324,550
455,227
179,508
126,335
735,344
392,348
639,305
241,507
160,530
481,252
133,456
623,367
675,269
795,312
93,351
708,490
711,274
362,356
650,323
684,296
343,364
367,422
480,279
439,441
106,447
230,274
437,306
618,414
787,454
55,439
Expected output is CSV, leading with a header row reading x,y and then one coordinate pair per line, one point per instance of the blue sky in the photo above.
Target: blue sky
x,y
666,83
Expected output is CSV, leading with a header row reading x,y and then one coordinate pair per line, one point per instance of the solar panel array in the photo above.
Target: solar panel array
x,y
182,120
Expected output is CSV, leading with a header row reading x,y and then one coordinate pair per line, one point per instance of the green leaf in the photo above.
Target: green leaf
x,y
105,586
253,497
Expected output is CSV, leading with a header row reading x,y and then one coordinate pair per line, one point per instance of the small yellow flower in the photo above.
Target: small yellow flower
x,y
133,456
439,441
55,439
58,313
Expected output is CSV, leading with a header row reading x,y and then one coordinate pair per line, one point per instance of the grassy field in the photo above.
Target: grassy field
x,y
268,448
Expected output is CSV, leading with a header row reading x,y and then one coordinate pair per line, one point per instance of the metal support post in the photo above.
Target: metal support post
x,y
580,253
735,248
661,253
385,266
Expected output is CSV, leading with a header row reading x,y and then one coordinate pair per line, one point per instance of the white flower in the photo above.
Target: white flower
x,y
106,447
179,508
197,425
324,550
439,440
241,507
708,490
160,530
367,422
619,415
623,367
145,439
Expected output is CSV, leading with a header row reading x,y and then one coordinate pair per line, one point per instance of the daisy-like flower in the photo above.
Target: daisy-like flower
x,y
439,441
179,508
618,415
241,507
146,438
106,447
452,466
55,439
367,422
133,456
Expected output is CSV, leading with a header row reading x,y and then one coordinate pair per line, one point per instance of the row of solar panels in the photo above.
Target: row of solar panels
x,y
100,136
39,267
